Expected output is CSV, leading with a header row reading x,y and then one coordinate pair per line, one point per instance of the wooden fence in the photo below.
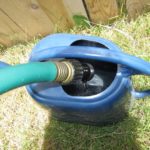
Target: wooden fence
x,y
21,20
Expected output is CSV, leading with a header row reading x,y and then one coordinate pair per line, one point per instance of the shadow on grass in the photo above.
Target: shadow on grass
x,y
69,136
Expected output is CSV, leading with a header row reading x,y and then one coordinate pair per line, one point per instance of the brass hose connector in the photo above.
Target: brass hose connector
x,y
72,71
65,72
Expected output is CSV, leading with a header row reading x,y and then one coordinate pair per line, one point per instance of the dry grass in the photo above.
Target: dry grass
x,y
22,121
24,125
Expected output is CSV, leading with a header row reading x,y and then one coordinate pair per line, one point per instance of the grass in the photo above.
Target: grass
x,y
24,125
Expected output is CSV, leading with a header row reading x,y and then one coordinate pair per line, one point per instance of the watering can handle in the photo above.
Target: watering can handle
x,y
133,64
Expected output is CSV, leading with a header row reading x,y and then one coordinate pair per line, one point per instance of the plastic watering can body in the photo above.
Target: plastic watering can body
x,y
108,105
107,97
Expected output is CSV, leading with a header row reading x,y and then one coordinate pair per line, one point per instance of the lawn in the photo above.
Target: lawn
x,y
24,125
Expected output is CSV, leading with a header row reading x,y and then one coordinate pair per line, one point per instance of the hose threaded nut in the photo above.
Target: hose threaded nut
x,y
65,72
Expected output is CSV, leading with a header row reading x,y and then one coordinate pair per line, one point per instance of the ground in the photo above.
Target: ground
x,y
25,125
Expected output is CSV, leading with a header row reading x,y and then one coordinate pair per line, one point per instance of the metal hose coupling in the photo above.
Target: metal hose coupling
x,y
71,71
65,72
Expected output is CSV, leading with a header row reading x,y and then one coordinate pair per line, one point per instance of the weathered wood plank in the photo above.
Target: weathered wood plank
x,y
101,10
56,12
75,7
9,31
136,7
28,16
77,12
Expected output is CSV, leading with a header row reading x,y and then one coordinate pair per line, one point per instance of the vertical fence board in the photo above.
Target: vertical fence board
x,y
9,31
57,13
136,7
75,7
101,10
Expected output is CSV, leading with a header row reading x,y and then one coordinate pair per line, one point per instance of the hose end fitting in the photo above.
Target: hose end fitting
x,y
65,72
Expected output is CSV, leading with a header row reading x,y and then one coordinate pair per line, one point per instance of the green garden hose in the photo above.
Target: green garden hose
x,y
19,75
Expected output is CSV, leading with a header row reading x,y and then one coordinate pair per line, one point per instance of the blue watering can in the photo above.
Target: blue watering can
x,y
104,99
